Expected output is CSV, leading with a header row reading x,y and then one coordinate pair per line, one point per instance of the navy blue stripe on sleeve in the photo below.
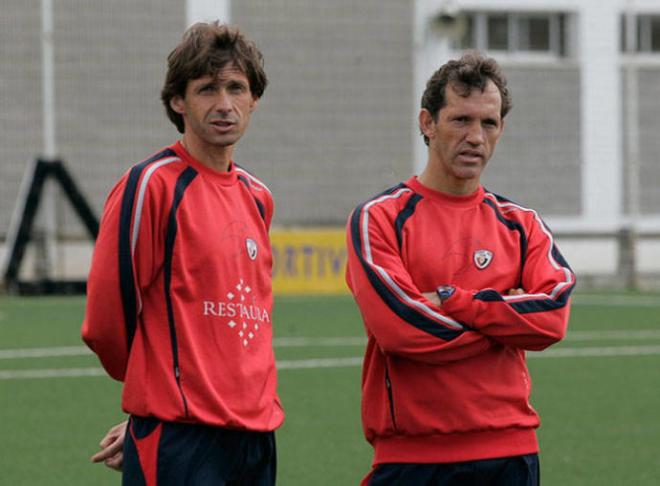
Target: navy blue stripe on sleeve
x,y
529,306
543,305
403,216
513,226
405,312
260,206
547,302
182,184
488,296
559,258
126,274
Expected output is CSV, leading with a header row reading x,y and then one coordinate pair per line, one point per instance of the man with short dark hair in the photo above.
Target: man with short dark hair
x,y
454,283
179,292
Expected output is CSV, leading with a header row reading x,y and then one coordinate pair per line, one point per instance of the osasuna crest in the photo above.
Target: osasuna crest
x,y
482,258
251,248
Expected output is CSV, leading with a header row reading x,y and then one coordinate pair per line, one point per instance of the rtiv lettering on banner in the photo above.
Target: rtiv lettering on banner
x,y
309,261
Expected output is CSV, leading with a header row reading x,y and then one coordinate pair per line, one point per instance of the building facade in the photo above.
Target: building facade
x,y
338,120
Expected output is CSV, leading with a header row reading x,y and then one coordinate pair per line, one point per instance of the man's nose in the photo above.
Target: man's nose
x,y
223,101
475,134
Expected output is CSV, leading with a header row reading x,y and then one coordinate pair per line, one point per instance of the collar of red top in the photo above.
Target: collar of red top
x,y
448,199
222,178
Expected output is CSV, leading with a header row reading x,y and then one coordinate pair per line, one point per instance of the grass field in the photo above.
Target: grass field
x,y
598,394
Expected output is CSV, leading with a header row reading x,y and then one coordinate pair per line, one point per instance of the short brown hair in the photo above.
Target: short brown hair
x,y
205,49
472,70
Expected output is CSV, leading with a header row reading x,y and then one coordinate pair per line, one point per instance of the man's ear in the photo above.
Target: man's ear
x,y
177,104
426,123
253,105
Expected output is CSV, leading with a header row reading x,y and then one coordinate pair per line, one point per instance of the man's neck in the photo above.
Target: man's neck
x,y
441,182
216,158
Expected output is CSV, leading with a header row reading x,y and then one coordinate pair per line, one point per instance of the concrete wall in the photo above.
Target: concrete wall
x,y
334,124
537,162
338,121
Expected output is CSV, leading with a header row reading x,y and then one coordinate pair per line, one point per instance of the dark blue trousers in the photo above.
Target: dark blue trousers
x,y
173,454
506,471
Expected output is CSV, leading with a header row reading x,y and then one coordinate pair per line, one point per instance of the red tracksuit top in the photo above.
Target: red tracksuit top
x,y
179,297
450,383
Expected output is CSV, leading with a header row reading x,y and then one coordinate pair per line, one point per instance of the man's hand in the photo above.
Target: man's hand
x,y
112,446
433,296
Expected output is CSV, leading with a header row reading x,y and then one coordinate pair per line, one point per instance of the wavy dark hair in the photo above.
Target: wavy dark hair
x,y
471,71
204,50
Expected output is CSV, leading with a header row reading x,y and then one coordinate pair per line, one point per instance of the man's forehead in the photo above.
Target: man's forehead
x,y
225,73
456,92
465,90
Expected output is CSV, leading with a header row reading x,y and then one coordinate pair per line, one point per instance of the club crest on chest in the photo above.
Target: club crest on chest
x,y
482,258
251,246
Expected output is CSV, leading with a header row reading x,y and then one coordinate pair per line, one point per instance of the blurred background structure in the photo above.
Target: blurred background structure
x,y
80,82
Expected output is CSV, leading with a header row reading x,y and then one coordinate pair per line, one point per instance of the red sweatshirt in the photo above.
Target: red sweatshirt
x,y
450,383
179,294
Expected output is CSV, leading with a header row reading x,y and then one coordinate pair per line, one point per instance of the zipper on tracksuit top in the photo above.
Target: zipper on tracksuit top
x,y
182,183
388,385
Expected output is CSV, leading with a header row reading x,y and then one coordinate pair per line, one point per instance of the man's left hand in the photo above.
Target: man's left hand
x,y
112,446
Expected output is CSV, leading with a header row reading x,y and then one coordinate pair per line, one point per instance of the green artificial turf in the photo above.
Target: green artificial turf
x,y
599,414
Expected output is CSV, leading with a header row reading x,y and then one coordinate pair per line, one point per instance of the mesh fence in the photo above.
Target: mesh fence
x,y
109,63
336,125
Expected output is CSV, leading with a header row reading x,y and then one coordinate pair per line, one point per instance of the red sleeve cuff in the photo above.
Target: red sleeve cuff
x,y
461,306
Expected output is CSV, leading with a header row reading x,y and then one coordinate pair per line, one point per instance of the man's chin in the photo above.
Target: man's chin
x,y
225,141
468,173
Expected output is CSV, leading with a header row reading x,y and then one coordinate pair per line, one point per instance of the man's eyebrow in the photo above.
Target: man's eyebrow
x,y
234,80
209,83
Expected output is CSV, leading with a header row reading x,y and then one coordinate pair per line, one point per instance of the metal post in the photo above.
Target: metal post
x,y
46,238
628,234
435,30
48,73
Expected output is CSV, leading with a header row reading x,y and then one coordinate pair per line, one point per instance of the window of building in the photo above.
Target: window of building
x,y
537,33
654,34
498,32
646,35
533,33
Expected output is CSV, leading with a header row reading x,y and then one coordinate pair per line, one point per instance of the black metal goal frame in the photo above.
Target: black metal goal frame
x,y
20,231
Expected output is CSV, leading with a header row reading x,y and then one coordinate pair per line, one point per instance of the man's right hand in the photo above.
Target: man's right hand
x,y
112,447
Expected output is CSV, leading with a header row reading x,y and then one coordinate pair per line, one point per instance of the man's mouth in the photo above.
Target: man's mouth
x,y
222,125
471,155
